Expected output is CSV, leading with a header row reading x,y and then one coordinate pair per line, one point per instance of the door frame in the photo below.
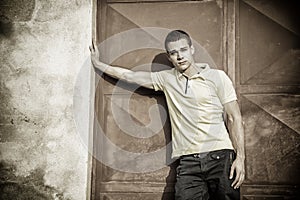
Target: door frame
x,y
229,60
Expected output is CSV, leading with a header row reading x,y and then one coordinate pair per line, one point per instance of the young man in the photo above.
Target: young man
x,y
211,162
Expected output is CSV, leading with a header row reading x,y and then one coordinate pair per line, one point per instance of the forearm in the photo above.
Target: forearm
x,y
113,71
141,78
236,131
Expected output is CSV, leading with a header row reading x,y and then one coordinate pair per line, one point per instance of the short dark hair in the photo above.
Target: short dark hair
x,y
176,35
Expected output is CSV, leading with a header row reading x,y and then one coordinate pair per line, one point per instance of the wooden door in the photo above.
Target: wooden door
x,y
268,81
123,112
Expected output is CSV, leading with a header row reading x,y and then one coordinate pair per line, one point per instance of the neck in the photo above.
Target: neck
x,y
191,70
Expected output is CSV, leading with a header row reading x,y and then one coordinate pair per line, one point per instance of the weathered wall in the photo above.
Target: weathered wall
x,y
43,47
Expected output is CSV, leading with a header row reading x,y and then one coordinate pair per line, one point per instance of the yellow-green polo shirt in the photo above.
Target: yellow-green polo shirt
x,y
196,108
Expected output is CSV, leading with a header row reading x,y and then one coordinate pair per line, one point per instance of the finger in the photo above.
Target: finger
x,y
236,180
231,172
241,180
93,45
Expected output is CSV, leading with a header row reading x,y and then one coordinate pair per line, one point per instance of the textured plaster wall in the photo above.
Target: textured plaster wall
x,y
43,47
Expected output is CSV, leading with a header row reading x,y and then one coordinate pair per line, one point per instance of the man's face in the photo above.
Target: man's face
x,y
180,54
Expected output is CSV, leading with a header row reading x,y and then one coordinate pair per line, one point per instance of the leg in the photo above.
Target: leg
x,y
219,183
190,183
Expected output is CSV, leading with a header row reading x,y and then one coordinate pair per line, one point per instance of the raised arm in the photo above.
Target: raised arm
x,y
141,78
236,131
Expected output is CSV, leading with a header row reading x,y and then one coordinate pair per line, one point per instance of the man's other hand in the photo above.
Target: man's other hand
x,y
238,167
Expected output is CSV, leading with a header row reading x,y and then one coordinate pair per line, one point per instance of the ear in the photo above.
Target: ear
x,y
192,49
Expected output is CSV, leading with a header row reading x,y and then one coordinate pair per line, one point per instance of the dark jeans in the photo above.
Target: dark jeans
x,y
206,176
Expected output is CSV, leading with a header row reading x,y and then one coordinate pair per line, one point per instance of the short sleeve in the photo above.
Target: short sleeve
x,y
225,89
157,81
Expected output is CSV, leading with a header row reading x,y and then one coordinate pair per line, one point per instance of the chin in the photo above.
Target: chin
x,y
183,67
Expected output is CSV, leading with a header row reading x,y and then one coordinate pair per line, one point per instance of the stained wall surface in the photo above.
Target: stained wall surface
x,y
43,47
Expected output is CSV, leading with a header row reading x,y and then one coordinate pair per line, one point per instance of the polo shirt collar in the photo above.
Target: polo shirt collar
x,y
202,67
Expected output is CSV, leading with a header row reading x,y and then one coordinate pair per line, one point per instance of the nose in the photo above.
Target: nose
x,y
179,56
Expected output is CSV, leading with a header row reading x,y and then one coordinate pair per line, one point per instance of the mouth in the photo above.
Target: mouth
x,y
182,62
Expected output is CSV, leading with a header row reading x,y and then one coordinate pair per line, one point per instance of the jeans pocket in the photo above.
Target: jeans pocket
x,y
218,155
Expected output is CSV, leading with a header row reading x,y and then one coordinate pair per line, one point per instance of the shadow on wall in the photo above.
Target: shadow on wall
x,y
159,63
